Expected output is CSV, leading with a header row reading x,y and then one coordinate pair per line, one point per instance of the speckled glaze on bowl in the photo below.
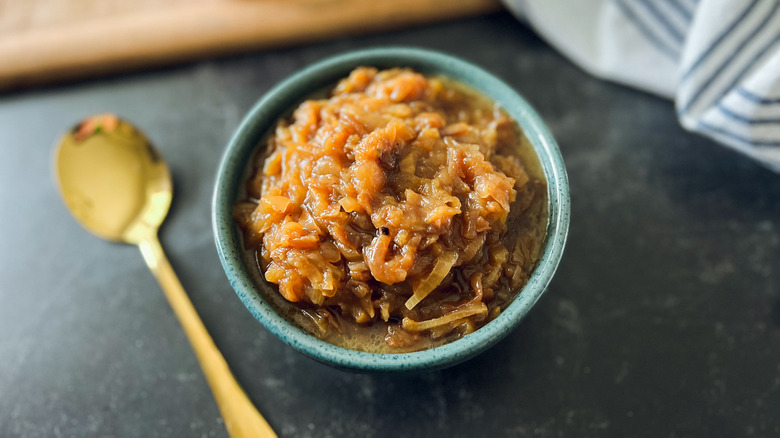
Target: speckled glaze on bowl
x,y
280,101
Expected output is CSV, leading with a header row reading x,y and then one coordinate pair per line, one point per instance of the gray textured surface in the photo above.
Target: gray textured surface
x,y
663,319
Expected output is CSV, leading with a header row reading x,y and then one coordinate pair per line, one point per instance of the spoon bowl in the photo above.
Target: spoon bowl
x,y
137,192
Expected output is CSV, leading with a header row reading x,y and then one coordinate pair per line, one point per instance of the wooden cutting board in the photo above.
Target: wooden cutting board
x,y
46,41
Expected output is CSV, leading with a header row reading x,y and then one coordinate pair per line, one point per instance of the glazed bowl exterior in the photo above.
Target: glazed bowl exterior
x,y
280,101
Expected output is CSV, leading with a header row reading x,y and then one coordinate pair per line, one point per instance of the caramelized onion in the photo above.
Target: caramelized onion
x,y
400,206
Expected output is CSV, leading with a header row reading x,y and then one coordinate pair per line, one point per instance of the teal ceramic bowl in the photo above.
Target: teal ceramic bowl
x,y
279,102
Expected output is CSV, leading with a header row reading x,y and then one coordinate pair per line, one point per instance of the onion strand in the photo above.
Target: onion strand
x,y
443,265
418,326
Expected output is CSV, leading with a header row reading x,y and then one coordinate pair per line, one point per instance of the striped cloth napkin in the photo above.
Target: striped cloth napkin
x,y
718,59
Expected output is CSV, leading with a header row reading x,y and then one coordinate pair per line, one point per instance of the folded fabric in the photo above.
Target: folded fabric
x,y
718,59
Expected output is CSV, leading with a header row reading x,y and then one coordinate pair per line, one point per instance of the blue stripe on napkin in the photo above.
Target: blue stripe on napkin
x,y
754,62
718,71
664,21
706,127
745,119
755,98
681,9
716,43
642,23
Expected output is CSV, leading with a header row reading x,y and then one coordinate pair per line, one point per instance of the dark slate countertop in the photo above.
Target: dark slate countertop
x,y
663,318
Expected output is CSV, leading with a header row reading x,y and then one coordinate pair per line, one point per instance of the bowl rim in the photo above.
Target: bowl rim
x,y
289,93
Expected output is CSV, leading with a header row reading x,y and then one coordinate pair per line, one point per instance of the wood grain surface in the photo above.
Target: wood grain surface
x,y
46,41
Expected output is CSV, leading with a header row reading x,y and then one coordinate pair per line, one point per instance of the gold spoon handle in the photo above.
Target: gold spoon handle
x,y
241,417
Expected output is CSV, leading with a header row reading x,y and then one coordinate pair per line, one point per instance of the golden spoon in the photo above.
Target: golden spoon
x,y
119,188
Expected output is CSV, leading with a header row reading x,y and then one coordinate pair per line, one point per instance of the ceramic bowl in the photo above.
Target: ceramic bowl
x,y
287,95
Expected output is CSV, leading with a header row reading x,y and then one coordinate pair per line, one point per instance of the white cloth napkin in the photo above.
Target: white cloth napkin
x,y
718,59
